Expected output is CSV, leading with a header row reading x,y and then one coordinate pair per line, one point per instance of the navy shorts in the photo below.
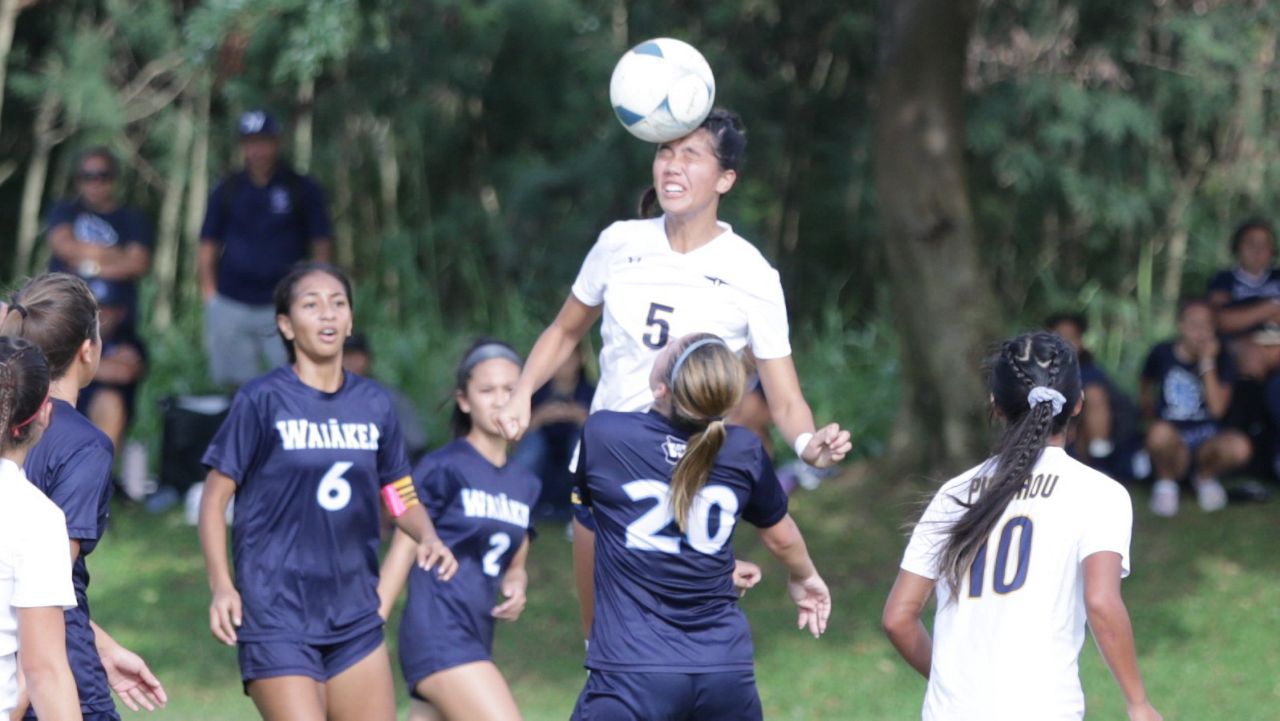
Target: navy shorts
x,y
270,659
432,641
635,696
1196,434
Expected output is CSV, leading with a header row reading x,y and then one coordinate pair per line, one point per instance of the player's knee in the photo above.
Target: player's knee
x,y
1163,438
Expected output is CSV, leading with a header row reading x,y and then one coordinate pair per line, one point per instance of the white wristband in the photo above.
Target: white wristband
x,y
802,442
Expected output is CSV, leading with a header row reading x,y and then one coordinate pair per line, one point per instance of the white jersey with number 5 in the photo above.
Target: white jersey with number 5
x,y
1006,645
652,294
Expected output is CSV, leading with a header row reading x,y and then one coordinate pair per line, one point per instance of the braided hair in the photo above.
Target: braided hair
x,y
24,387
1028,361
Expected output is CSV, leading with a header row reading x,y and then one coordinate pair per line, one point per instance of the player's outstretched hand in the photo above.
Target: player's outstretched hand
x,y
828,446
1144,712
131,679
432,553
513,419
514,584
224,615
745,576
814,601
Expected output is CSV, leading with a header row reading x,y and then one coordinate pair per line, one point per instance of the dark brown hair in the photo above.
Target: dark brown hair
x,y
58,313
24,387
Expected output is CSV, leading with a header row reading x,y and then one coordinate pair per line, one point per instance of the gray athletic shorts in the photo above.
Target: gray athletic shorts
x,y
241,340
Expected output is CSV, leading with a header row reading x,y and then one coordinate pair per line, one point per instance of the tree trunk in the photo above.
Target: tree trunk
x,y
167,240
33,185
344,232
941,300
302,131
197,191
9,11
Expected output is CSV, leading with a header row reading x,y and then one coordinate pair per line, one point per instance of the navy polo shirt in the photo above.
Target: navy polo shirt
x,y
263,231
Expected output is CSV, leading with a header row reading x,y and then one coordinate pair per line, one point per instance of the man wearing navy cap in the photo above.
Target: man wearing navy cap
x,y
259,222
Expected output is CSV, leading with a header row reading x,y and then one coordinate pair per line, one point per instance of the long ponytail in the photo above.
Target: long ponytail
x,y
706,382
1031,361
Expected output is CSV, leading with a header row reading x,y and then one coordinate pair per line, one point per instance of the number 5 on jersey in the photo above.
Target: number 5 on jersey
x,y
659,325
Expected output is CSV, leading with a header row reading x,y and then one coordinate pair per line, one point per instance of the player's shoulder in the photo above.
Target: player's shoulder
x,y
70,429
358,386
1093,483
744,252
741,442
25,502
626,233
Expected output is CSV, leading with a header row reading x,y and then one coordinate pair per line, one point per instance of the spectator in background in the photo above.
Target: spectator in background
x,y
1105,435
559,409
260,221
1246,300
108,400
1184,393
95,236
357,358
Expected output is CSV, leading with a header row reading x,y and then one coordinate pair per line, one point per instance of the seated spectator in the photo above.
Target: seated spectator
x,y
109,400
559,409
98,238
1184,393
1246,301
1105,435
357,358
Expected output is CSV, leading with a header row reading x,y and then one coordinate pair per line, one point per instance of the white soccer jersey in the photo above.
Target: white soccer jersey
x,y
1006,646
35,566
652,294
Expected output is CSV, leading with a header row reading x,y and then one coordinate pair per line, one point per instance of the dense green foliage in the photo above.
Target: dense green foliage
x,y
470,155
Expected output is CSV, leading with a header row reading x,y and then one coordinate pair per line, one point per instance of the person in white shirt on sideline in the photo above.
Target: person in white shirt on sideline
x,y
1022,551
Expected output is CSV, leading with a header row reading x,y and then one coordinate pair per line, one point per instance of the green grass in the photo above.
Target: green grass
x,y
1204,596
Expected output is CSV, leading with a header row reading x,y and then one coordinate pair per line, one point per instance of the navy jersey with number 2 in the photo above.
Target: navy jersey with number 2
x,y
481,512
309,467
665,600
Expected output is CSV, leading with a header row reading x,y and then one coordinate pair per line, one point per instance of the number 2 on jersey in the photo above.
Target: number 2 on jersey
x,y
1001,583
661,327
644,533
498,545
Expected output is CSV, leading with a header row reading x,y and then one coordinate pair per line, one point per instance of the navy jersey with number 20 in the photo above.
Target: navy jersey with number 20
x,y
665,600
309,467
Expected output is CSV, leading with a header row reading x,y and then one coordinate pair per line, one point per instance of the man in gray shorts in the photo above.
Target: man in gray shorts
x,y
259,222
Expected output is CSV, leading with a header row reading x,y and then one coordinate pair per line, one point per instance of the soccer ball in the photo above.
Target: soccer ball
x,y
662,89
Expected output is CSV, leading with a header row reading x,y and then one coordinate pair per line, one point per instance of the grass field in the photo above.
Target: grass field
x,y
1204,596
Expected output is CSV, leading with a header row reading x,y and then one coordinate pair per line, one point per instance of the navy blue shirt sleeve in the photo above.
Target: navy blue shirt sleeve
x,y
215,215
436,488
768,503
1220,282
317,212
84,479
62,213
393,462
235,447
1226,367
142,233
1151,369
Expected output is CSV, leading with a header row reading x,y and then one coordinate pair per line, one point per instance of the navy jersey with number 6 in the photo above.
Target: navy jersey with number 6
x,y
481,512
665,600
309,467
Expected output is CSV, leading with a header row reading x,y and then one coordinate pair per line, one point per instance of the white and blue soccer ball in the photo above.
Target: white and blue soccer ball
x,y
662,89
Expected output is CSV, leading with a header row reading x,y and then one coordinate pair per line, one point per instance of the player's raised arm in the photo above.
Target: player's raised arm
x,y
550,351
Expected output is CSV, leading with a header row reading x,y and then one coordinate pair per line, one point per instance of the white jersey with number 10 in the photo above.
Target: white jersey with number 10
x,y
652,294
1006,644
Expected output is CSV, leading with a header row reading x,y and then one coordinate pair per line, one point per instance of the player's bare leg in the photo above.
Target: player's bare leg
x,y
288,698
470,692
424,711
365,691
